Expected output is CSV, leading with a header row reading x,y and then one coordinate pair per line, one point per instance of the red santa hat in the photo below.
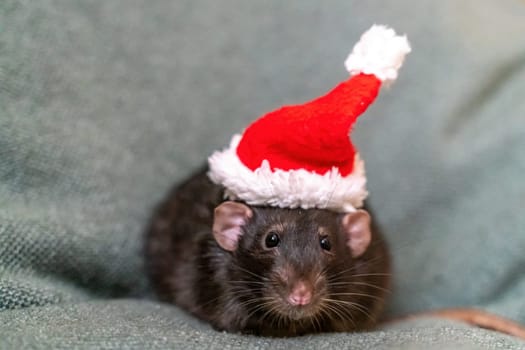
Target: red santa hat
x,y
301,155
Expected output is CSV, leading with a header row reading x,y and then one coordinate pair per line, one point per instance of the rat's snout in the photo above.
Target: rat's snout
x,y
301,294
298,289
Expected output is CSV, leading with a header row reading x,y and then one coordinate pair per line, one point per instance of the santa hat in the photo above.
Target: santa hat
x,y
301,155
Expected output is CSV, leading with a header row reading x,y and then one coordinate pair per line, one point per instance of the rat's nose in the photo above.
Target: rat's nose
x,y
301,294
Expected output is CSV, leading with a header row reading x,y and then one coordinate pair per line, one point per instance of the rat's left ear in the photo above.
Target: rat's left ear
x,y
356,225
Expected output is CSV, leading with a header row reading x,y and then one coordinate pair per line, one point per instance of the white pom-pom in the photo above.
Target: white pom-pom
x,y
379,52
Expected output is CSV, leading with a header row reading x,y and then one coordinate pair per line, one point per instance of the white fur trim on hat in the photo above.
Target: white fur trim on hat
x,y
379,52
287,189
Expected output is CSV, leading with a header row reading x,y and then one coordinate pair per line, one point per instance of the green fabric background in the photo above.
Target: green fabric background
x,y
105,104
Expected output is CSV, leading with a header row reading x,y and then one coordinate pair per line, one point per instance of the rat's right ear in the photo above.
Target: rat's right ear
x,y
228,219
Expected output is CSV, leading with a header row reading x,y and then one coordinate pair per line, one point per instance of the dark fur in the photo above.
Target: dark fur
x,y
229,289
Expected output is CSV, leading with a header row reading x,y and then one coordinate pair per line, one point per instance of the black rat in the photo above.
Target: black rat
x,y
264,270
272,271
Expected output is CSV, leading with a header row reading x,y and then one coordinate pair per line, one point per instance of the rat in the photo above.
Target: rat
x,y
274,271
266,270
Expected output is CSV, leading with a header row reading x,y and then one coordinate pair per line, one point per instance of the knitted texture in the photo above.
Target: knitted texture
x,y
105,104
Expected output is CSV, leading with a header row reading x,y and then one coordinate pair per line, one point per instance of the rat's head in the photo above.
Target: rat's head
x,y
293,264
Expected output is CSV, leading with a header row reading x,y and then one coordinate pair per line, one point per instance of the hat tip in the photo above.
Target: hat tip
x,y
380,52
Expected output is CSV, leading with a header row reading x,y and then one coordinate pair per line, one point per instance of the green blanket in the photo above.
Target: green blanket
x,y
105,104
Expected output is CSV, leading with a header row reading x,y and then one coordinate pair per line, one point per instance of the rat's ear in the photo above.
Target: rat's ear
x,y
228,219
356,225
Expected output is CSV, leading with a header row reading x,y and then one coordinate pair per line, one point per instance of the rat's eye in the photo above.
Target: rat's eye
x,y
272,239
325,243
